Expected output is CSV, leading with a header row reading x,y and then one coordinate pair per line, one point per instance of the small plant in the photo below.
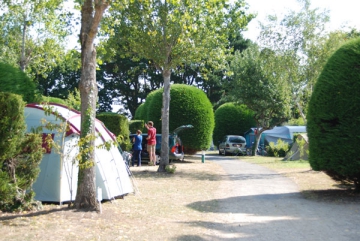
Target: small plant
x,y
279,149
170,168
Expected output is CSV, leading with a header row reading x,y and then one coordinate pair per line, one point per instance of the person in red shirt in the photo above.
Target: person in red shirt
x,y
151,141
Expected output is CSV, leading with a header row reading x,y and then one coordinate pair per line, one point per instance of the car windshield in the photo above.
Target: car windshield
x,y
236,139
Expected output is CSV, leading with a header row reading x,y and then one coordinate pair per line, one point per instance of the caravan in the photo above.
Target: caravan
x,y
57,181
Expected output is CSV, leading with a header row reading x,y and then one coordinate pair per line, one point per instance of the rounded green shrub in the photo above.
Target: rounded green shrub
x,y
232,119
13,80
188,105
334,116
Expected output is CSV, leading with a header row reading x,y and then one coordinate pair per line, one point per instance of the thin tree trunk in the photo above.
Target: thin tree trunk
x,y
165,122
23,57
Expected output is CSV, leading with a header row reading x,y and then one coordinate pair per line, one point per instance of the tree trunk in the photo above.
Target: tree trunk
x,y
86,190
165,122
22,56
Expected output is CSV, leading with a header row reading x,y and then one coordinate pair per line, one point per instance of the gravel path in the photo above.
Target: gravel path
x,y
259,204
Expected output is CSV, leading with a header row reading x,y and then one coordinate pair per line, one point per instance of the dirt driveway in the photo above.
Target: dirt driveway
x,y
259,204
222,199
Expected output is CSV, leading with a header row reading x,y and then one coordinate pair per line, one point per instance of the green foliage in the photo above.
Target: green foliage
x,y
296,122
140,112
173,28
262,86
334,115
12,125
188,105
74,100
301,39
170,168
48,99
232,119
118,125
20,156
13,80
43,24
279,149
135,125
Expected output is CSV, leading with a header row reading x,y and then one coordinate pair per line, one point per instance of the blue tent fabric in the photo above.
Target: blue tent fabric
x,y
285,133
250,137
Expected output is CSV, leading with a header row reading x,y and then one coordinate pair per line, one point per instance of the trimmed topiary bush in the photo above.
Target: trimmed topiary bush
x,y
13,80
334,116
232,119
188,105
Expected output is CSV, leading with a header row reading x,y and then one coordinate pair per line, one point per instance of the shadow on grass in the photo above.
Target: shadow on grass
x,y
11,216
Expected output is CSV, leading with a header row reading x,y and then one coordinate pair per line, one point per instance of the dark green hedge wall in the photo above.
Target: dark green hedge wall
x,y
334,116
232,119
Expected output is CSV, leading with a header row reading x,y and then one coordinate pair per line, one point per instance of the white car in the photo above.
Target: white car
x,y
232,144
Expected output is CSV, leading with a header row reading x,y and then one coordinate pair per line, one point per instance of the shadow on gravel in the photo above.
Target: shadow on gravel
x,y
243,201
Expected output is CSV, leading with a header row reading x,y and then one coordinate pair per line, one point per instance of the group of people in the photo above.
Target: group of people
x,y
151,144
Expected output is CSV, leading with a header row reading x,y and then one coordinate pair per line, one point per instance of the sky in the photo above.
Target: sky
x,y
341,12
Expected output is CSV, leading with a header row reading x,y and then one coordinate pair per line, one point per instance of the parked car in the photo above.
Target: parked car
x,y
176,150
232,144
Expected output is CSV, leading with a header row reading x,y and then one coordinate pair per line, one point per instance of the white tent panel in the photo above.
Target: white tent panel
x,y
57,181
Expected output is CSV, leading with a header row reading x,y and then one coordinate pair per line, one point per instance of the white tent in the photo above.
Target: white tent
x,y
299,151
57,181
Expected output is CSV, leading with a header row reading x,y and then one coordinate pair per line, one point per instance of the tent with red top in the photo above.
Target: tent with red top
x,y
57,181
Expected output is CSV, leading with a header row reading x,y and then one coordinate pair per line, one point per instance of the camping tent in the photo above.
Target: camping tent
x,y
285,133
250,136
57,181
298,151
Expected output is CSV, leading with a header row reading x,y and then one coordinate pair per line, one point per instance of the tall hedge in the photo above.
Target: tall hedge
x,y
188,105
232,119
334,116
13,80
118,125
20,156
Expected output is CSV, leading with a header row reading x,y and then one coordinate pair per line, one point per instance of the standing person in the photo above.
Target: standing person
x,y
137,140
151,141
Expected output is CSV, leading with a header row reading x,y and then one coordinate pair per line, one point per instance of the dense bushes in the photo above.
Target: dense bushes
x,y
232,119
20,155
334,116
13,80
188,105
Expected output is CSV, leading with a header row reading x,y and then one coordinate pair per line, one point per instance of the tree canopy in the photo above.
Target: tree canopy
x,y
173,33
